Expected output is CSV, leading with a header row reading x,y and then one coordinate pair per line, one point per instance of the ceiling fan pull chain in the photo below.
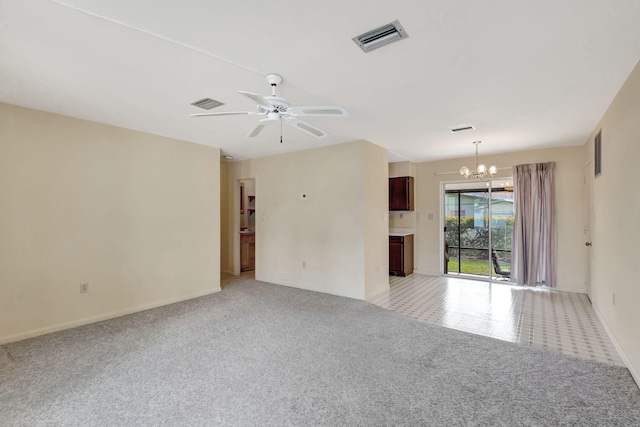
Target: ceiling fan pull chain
x,y
280,130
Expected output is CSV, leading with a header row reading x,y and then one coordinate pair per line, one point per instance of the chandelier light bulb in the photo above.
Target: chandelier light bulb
x,y
464,171
482,168
493,170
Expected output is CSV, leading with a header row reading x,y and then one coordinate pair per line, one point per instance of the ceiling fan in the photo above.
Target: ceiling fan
x,y
277,109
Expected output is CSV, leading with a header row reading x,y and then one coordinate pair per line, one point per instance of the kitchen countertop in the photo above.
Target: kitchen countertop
x,y
401,231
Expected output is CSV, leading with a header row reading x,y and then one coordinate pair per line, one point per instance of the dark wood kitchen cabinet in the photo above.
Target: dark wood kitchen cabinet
x,y
401,193
247,251
401,255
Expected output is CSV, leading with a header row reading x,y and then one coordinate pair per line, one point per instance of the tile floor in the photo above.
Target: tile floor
x,y
557,321
226,278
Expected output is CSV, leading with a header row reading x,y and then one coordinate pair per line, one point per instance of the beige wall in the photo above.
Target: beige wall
x,y
402,169
614,228
403,219
569,161
376,228
134,215
327,231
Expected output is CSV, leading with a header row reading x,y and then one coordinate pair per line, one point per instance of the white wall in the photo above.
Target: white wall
x,y
571,269
134,215
615,232
327,231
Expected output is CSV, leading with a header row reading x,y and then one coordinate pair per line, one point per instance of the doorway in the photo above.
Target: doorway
x,y
478,224
247,224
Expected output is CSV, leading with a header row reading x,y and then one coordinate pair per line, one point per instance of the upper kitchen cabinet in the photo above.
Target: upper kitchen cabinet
x,y
401,193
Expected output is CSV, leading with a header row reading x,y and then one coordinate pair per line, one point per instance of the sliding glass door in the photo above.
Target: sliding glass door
x,y
478,217
501,225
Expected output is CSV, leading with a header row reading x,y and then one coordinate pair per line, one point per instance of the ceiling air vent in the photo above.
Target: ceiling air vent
x,y
381,36
462,129
207,103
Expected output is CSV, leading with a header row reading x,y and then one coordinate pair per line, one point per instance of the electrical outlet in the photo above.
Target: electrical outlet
x,y
84,288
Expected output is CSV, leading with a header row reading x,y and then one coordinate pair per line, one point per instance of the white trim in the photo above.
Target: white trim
x,y
93,319
612,337
573,289
441,229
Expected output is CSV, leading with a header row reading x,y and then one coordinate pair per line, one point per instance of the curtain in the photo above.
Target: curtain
x,y
534,243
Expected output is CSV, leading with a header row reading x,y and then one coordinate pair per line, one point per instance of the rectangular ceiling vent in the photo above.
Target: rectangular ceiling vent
x,y
207,103
462,129
381,36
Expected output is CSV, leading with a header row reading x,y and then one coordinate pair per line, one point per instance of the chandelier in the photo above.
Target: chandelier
x,y
481,170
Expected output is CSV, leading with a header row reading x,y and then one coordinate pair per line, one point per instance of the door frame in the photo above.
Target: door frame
x,y
236,220
588,222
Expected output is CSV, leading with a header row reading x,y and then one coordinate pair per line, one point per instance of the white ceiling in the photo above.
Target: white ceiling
x,y
527,74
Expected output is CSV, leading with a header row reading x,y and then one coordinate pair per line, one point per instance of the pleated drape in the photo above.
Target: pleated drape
x,y
534,243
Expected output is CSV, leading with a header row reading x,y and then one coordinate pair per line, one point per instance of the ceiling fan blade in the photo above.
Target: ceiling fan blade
x,y
318,111
257,128
306,127
258,100
225,113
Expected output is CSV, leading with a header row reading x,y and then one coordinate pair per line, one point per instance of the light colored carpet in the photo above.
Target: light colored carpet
x,y
258,354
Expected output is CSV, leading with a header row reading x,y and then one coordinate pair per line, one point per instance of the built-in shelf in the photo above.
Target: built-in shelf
x,y
252,205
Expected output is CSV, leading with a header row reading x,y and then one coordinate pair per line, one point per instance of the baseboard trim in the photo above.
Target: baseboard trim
x,y
93,319
616,344
576,288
